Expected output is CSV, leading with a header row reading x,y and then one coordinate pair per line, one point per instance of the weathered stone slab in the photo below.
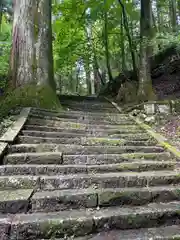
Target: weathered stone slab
x,y
53,169
74,132
160,233
32,139
58,200
110,180
16,182
83,126
41,169
93,159
86,141
137,166
34,158
55,129
12,132
48,226
70,149
138,196
135,217
115,141
148,156
85,118
83,222
15,201
98,159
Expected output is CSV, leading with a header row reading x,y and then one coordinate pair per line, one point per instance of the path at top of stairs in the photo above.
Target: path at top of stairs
x,y
89,172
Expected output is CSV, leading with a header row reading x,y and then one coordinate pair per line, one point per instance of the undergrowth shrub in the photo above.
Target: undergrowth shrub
x,y
29,96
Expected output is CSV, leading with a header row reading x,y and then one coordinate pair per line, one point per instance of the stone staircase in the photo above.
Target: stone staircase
x,y
87,173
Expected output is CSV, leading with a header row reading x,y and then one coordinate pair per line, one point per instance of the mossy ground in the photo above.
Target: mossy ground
x,y
28,96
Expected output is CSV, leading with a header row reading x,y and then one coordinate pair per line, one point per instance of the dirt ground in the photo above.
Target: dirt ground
x,y
169,126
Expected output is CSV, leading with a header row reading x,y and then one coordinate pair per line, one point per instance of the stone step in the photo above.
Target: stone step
x,y
79,114
85,141
92,109
58,158
109,180
148,156
89,103
58,200
90,180
34,158
70,149
18,182
83,222
158,233
15,201
41,131
116,158
59,124
40,168
119,133
86,119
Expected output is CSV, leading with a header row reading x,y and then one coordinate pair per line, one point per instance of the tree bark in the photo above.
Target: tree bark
x,y
145,91
122,46
31,53
23,51
131,45
172,15
106,44
44,55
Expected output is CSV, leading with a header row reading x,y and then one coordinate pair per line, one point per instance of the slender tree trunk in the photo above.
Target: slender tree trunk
x,y
159,15
178,5
23,63
131,45
106,43
172,15
122,46
145,91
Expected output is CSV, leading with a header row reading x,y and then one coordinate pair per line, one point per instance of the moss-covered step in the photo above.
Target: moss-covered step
x,y
52,169
148,156
79,125
66,134
93,115
113,133
109,180
85,141
115,158
83,222
86,119
95,109
34,158
70,149
15,201
18,182
58,200
116,141
157,233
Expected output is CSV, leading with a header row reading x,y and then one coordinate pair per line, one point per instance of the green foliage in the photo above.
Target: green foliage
x,y
29,96
5,46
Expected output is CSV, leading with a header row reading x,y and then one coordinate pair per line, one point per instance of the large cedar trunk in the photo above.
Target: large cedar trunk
x,y
23,51
31,54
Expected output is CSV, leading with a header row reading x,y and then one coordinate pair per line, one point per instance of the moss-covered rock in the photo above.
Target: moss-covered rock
x,y
28,96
